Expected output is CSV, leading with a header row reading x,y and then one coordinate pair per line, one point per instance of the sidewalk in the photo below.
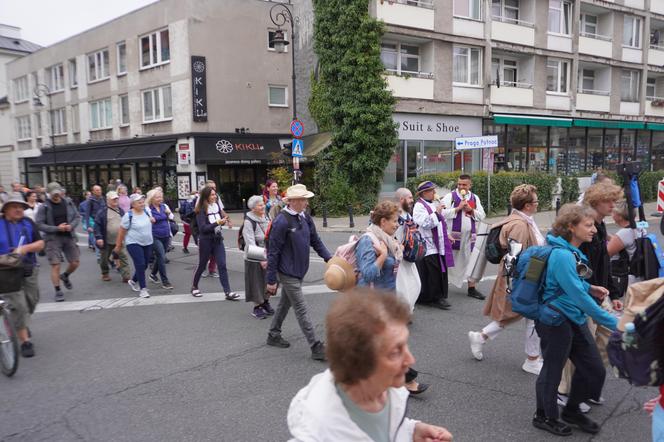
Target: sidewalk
x,y
543,219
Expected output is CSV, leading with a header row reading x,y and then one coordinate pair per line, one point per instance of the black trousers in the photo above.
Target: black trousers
x,y
574,342
434,280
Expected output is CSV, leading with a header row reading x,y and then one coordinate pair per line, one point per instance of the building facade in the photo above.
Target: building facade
x,y
171,94
567,85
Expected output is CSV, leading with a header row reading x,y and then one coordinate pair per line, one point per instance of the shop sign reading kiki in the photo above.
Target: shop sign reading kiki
x,y
226,147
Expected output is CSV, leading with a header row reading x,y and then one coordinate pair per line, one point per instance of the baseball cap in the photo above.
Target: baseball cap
x,y
136,197
112,194
53,188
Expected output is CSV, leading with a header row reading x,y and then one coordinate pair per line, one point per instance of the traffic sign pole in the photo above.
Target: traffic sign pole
x,y
297,147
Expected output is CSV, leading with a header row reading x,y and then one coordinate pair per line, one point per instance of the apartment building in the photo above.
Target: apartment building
x,y
567,85
172,94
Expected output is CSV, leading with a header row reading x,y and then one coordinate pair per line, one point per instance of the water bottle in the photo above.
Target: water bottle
x,y
629,336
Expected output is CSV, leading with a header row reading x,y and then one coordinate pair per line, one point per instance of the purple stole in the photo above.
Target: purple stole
x,y
449,258
456,223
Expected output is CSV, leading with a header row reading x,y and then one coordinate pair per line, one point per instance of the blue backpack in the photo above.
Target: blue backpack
x,y
528,284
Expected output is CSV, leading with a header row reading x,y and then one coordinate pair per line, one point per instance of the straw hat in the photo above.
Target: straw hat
x,y
297,191
339,275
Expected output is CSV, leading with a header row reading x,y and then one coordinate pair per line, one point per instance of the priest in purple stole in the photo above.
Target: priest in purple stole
x,y
463,210
438,261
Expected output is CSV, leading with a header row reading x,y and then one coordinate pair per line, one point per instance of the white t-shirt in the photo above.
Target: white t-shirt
x,y
628,238
214,212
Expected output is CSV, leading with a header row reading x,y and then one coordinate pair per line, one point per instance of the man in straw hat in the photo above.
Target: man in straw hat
x,y
19,235
292,234
438,259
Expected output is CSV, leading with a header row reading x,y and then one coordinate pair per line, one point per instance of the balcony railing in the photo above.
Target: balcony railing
x,y
513,21
596,36
657,46
428,4
520,85
594,92
409,74
654,98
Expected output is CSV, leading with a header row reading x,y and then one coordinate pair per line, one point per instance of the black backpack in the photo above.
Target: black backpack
x,y
494,250
241,244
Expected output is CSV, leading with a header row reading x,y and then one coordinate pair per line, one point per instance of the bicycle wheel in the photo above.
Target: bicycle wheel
x,y
8,344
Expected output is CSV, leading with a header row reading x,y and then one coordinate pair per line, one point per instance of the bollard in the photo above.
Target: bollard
x,y
350,217
324,210
557,205
509,209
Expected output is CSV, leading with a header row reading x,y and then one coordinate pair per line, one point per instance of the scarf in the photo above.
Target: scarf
x,y
393,246
533,227
458,220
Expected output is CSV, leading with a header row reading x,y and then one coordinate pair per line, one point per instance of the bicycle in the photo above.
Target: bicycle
x,y
9,353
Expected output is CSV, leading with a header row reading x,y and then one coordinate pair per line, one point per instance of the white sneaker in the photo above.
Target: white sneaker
x,y
476,343
205,274
562,401
144,293
532,367
134,285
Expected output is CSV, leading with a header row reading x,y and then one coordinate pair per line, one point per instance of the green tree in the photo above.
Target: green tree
x,y
350,99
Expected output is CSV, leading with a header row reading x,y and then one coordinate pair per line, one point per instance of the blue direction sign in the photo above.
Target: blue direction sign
x,y
297,128
298,147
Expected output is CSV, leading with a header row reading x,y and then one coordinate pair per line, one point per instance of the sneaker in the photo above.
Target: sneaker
x,y
27,349
65,279
577,419
205,274
167,285
267,308
105,278
562,401
318,352
599,401
185,250
196,293
59,296
153,278
134,285
213,275
476,344
532,367
144,293
474,293
258,313
277,342
232,296
553,426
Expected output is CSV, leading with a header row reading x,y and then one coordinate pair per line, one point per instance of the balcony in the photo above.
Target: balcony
x,y
629,107
468,27
410,84
656,55
512,94
417,14
557,101
593,100
468,94
655,106
595,44
637,4
513,31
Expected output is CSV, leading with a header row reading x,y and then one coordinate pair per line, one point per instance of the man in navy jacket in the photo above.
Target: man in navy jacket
x,y
291,235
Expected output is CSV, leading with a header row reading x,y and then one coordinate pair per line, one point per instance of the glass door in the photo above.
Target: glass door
x,y
413,159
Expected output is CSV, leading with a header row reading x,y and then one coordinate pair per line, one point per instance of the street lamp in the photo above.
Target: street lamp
x,y
280,15
42,90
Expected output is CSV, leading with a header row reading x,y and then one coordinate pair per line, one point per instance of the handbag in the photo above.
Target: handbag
x,y
174,227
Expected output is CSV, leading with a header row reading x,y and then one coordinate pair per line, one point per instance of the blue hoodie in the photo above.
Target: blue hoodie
x,y
571,293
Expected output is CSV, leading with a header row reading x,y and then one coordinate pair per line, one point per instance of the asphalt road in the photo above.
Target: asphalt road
x,y
110,367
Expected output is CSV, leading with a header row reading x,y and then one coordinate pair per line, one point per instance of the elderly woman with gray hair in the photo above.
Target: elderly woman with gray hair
x,y
253,233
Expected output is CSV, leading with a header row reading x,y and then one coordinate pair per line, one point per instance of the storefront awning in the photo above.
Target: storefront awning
x,y
101,154
238,149
610,124
532,120
655,126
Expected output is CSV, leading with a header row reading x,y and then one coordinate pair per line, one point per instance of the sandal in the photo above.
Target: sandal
x,y
232,296
196,293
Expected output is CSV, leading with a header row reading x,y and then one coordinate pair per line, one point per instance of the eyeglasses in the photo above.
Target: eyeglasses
x,y
534,202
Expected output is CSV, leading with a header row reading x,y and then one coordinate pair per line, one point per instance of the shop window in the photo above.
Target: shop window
x,y
657,150
499,161
627,145
611,153
537,141
577,150
595,154
517,140
643,149
558,156
437,157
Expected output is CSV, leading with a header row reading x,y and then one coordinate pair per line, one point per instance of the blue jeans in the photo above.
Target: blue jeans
x,y
658,424
159,247
140,255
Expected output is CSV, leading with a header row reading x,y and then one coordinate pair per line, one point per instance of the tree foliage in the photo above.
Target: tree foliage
x,y
350,99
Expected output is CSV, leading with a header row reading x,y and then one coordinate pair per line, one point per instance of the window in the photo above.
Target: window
x,y
630,86
55,77
468,8
588,25
101,115
124,110
122,57
398,57
506,9
504,70
23,128
556,76
632,31
157,104
278,96
467,65
587,80
651,88
21,90
270,37
38,125
73,73
98,66
58,121
560,17
154,49
75,119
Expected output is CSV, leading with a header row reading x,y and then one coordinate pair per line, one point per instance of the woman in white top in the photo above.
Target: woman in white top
x,y
32,199
624,239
